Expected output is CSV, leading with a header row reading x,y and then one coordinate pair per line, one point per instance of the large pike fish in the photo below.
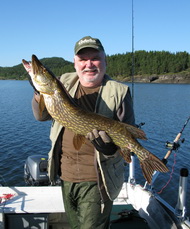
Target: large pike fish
x,y
62,109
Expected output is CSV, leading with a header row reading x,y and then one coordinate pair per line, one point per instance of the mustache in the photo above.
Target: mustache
x,y
90,70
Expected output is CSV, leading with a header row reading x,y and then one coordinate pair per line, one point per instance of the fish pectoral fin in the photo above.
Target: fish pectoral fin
x,y
126,154
151,164
78,140
41,105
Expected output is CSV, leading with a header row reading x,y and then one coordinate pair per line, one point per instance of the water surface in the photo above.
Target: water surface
x,y
163,107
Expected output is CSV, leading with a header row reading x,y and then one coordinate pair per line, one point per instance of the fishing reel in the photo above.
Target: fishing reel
x,y
173,145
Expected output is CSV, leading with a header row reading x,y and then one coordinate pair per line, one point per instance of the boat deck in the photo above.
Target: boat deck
x,y
42,207
33,207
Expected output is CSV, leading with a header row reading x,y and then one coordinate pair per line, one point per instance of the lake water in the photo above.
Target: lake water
x,y
163,108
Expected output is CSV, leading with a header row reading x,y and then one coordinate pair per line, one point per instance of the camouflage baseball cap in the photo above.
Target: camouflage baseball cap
x,y
88,42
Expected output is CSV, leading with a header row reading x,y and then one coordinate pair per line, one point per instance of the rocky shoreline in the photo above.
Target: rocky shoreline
x,y
170,79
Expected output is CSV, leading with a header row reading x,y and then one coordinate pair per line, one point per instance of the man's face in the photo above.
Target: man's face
x,y
90,65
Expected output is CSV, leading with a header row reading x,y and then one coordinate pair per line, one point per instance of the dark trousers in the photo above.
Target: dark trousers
x,y
83,206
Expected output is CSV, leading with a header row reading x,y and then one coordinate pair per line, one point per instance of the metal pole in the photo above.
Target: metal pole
x,y
132,169
182,194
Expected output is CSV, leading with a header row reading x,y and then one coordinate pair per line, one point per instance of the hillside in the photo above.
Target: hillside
x,y
57,65
149,67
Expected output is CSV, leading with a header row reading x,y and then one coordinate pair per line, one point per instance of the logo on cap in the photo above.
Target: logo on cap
x,y
87,41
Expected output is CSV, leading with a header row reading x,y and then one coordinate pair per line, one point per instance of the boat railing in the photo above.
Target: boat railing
x,y
180,209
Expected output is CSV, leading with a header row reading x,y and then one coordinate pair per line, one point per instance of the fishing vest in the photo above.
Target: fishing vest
x,y
110,97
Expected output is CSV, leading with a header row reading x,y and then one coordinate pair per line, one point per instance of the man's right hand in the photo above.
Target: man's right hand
x,y
37,97
102,142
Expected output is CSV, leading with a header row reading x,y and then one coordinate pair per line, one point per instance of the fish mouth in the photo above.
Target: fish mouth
x,y
35,61
27,65
36,65
38,69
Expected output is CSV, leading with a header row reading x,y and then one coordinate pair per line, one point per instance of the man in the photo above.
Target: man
x,y
93,176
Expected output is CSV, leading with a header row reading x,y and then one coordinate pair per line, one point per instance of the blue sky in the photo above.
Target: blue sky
x,y
50,28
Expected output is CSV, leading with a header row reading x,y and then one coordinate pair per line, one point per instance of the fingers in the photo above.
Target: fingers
x,y
104,136
102,142
92,135
95,134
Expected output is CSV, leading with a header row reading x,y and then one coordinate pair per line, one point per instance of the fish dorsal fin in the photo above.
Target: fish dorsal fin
x,y
41,105
78,140
135,132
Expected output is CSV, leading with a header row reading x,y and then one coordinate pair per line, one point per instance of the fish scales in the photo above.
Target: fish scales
x,y
61,107
81,122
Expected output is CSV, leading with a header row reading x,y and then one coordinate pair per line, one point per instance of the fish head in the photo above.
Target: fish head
x,y
43,80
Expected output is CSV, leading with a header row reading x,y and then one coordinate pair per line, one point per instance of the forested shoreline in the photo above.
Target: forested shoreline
x,y
152,66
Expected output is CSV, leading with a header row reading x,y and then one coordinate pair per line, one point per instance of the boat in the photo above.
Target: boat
x,y
40,205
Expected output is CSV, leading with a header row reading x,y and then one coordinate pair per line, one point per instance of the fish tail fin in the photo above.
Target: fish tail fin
x,y
151,164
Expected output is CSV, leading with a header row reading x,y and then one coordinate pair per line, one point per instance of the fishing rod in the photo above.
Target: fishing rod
x,y
173,146
133,58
